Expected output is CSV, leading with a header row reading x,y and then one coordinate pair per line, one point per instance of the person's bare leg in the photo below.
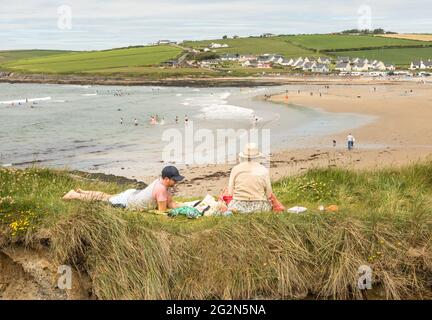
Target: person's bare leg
x,y
95,196
71,195
87,195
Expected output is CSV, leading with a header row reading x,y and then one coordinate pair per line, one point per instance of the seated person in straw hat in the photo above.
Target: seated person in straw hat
x,y
249,183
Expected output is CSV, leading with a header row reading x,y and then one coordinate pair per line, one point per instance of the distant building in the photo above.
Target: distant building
x,y
320,68
299,63
162,42
308,66
250,63
343,60
287,62
324,60
218,45
417,65
390,67
343,66
267,35
379,65
229,57
360,66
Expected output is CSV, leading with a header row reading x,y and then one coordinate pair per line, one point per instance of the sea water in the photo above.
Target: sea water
x,y
79,127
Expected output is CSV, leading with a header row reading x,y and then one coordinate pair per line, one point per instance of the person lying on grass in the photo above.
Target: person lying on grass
x,y
155,196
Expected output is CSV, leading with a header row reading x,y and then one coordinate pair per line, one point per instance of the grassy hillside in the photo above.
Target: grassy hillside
x,y
254,46
400,57
96,60
384,221
328,42
12,55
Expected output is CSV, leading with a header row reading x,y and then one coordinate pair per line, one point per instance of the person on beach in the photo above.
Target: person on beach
x,y
249,183
121,120
351,141
186,119
136,122
176,119
155,196
334,143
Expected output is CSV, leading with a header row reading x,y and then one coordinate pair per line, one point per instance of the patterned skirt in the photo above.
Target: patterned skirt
x,y
242,206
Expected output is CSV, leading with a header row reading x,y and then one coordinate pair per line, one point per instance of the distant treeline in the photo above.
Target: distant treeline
x,y
367,31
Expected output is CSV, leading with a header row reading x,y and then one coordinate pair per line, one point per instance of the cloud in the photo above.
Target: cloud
x,y
100,24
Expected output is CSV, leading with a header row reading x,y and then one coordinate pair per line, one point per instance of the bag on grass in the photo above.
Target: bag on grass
x,y
191,213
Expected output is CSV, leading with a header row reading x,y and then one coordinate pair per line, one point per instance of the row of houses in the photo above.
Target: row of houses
x,y
347,64
421,64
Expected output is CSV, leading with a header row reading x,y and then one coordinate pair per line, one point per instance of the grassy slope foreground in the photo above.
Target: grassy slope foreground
x,y
384,221
81,62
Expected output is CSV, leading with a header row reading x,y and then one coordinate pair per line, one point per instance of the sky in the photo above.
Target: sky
x,y
104,24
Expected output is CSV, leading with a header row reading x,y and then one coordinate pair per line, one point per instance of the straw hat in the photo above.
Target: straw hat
x,y
250,151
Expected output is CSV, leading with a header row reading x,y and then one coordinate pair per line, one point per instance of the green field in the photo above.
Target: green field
x,y
97,60
400,57
328,42
155,72
254,46
12,55
144,61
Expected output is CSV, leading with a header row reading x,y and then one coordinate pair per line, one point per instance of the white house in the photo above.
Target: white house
x,y
324,60
320,68
244,58
390,67
250,64
417,65
343,59
308,66
428,64
277,58
287,62
162,42
298,63
360,66
229,57
343,66
379,65
218,45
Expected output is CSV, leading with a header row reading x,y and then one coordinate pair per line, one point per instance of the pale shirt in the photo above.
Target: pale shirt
x,y
250,181
351,138
146,198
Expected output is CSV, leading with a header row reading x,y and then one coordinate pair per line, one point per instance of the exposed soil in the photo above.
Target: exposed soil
x,y
28,274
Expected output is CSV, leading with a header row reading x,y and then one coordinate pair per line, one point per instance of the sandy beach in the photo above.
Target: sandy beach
x,y
401,133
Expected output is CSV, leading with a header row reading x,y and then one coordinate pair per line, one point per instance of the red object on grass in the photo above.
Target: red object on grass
x,y
227,199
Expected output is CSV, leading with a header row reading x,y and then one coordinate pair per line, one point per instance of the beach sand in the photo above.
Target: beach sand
x,y
401,133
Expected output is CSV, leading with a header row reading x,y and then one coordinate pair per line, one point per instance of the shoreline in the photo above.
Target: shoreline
x,y
21,78
401,132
